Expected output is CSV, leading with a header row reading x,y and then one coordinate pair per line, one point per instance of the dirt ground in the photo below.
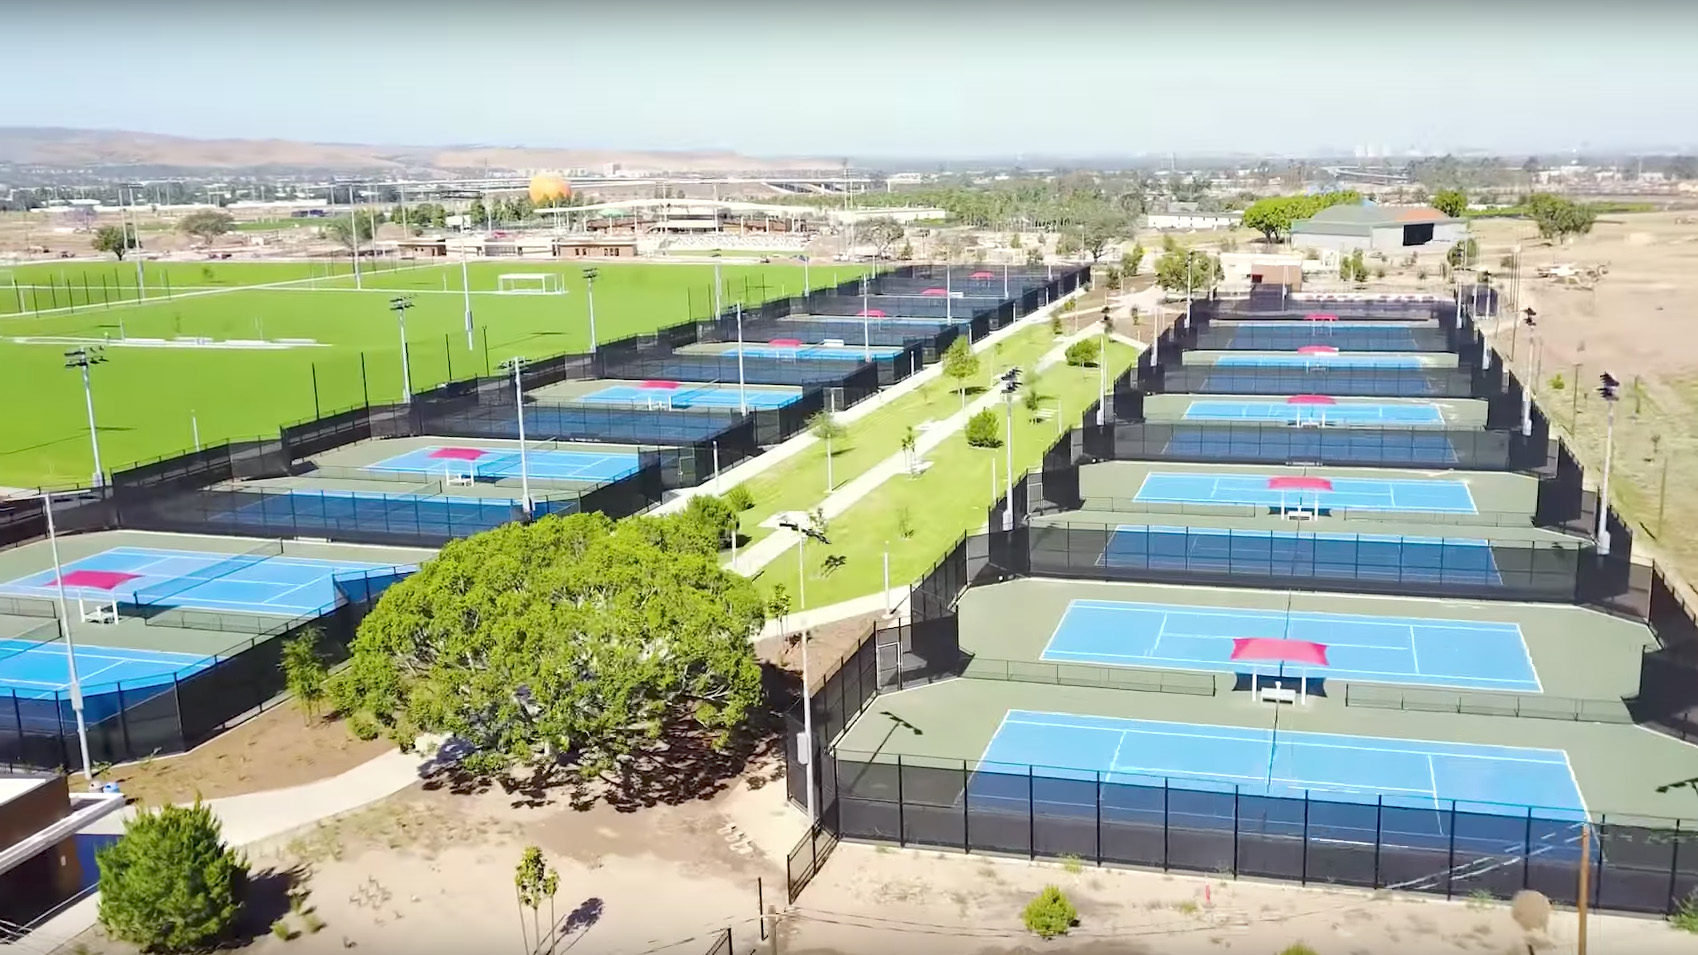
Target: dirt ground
x,y
427,871
1630,322
274,750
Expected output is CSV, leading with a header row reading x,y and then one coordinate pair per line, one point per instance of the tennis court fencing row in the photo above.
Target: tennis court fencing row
x,y
38,730
1261,443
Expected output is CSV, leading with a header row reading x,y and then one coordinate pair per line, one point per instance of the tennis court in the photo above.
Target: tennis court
x,y
1316,360
259,583
1302,492
712,396
856,353
1360,789
550,463
1457,561
1408,651
1332,445
374,510
40,671
1298,412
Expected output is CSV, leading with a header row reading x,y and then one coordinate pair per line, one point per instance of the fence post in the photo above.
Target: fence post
x,y
316,413
365,388
1165,849
1237,797
1303,872
1379,831
1450,864
1098,833
1674,870
1031,814
966,809
901,809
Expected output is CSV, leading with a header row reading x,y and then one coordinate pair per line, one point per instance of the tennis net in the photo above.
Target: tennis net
x,y
1080,674
1481,703
31,639
27,606
152,595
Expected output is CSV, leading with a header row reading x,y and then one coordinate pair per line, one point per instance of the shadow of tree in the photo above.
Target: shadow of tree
x,y
266,899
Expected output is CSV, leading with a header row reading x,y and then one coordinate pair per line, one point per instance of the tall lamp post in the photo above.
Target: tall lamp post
x,y
1102,370
70,645
399,306
82,359
516,365
718,305
1010,386
589,295
866,323
466,291
1527,386
807,743
1607,386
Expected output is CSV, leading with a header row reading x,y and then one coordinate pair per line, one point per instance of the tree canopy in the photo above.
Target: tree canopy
x,y
571,645
117,240
170,884
360,226
1451,202
1559,218
207,224
881,233
1205,271
1273,216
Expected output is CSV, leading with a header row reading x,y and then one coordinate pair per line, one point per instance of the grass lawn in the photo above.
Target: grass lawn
x,y
144,396
917,519
799,482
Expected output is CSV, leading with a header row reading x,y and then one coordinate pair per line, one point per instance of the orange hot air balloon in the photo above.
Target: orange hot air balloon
x,y
546,189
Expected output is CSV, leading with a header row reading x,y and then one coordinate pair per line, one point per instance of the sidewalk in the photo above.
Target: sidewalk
x,y
254,817
848,495
774,456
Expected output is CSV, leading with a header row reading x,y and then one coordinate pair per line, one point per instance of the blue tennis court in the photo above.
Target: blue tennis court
x,y
816,352
1287,413
1412,651
680,398
1363,494
40,671
1457,561
374,511
1284,381
246,583
1359,789
1333,446
1317,361
494,464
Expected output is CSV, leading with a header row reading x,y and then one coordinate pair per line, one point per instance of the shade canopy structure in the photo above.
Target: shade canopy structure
x,y
1311,400
983,275
870,313
786,342
1317,350
663,384
1275,650
1321,317
458,454
935,292
1299,483
95,579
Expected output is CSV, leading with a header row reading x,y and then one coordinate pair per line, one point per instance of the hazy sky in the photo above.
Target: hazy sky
x,y
879,78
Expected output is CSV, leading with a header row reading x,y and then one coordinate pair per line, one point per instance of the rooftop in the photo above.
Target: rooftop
x,y
15,787
1358,219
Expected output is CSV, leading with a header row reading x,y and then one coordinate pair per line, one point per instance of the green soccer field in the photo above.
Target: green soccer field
x,y
147,396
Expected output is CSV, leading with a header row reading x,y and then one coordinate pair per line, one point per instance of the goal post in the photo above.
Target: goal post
x,y
530,283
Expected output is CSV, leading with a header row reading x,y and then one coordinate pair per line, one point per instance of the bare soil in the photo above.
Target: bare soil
x,y
275,750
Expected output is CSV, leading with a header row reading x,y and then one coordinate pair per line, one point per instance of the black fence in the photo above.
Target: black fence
x,y
1251,336
131,721
1268,304
1637,864
1253,442
1357,382
1154,552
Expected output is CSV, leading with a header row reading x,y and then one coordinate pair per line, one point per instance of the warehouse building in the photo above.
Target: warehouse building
x,y
1372,228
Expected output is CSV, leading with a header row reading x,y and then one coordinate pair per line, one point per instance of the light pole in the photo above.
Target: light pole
x,y
70,644
803,533
466,290
742,390
807,286
354,233
515,365
866,323
589,295
399,306
718,305
82,359
1010,385
1607,386
1527,386
1102,372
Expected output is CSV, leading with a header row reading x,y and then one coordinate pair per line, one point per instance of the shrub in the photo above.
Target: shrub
x,y
170,884
1050,914
983,430
1083,352
1296,948
1070,305
1056,328
740,498
1685,917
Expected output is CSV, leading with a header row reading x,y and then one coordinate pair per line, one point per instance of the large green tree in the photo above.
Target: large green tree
x,y
207,224
1559,218
574,647
1274,215
1205,271
1451,202
117,240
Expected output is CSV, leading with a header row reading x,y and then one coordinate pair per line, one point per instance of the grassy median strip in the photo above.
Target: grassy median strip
x,y
916,519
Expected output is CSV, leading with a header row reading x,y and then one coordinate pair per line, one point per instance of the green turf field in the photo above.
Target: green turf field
x,y
145,396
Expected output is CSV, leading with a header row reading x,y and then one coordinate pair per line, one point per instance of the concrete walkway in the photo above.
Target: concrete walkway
x,y
255,817
777,455
768,549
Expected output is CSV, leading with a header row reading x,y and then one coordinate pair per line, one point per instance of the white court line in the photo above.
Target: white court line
x,y
1315,615
1114,761
321,582
1338,673
1559,754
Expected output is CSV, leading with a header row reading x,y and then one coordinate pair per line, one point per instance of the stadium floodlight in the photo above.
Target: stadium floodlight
x,y
1010,387
803,532
82,359
807,286
399,305
589,295
1102,369
1607,387
76,686
718,301
516,364
466,291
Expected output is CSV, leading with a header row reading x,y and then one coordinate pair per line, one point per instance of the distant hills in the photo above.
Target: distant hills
x,y
158,154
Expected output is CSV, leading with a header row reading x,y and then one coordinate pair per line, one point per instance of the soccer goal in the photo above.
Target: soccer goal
x,y
530,283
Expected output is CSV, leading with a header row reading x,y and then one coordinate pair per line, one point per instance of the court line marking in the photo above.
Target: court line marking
x,y
1558,755
1319,615
56,651
1338,673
